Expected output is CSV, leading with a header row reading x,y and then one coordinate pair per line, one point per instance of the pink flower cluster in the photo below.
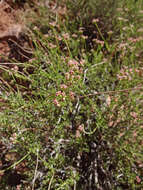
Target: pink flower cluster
x,y
61,97
60,93
100,42
134,40
75,69
74,73
127,73
56,103
63,86
72,63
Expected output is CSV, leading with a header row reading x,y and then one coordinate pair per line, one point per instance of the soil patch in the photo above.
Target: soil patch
x,y
12,37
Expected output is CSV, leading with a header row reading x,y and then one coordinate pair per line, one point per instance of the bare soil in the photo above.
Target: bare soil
x,y
12,37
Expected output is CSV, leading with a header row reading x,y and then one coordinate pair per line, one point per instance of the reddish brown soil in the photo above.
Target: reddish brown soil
x,y
8,28
12,38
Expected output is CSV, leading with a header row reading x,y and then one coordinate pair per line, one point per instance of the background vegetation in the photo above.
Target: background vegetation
x,y
71,115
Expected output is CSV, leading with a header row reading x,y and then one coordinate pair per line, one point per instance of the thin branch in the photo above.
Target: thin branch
x,y
111,92
49,187
27,50
92,67
12,63
36,168
6,84
74,172
16,163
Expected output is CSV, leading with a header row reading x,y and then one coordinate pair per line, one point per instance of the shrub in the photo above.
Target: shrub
x,y
78,123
